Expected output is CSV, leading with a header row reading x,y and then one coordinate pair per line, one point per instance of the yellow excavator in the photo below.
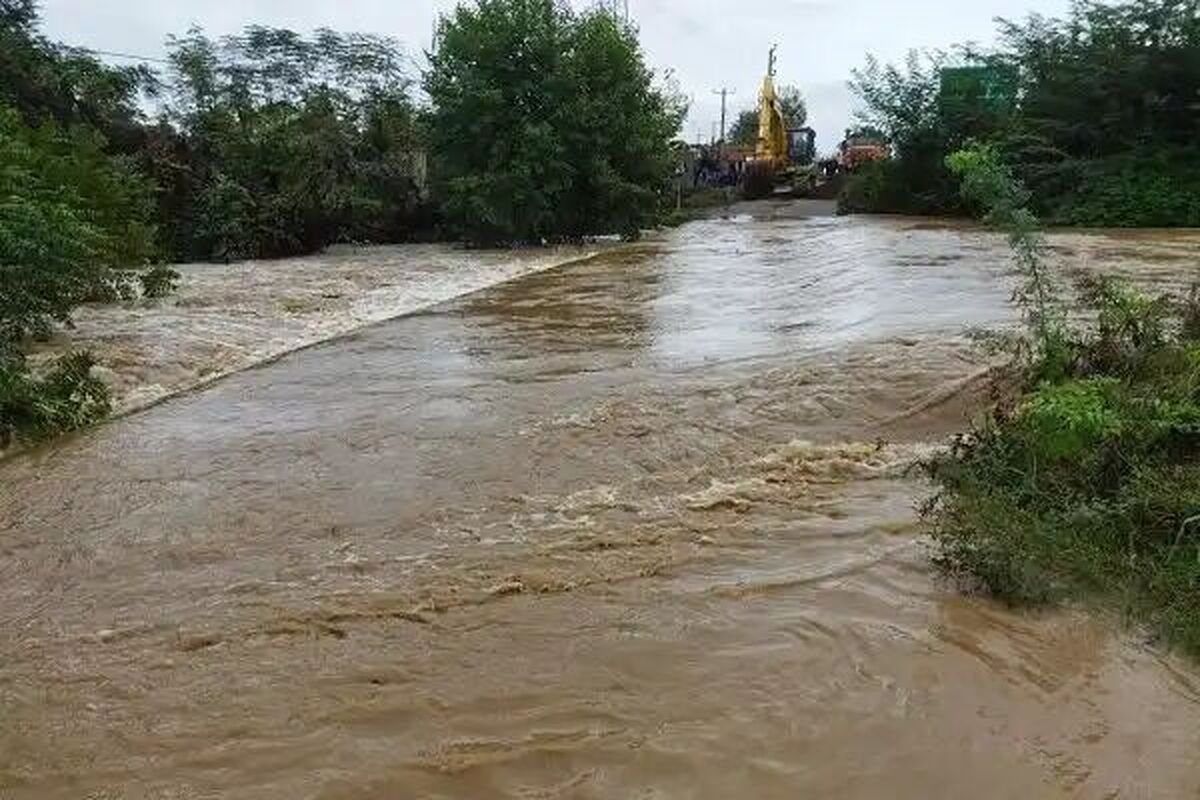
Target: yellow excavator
x,y
784,157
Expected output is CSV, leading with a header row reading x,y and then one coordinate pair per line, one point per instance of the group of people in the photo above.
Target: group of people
x,y
715,168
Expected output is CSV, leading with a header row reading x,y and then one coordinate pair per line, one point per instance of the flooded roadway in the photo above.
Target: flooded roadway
x,y
638,527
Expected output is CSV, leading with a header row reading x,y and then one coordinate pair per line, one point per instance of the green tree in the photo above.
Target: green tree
x,y
47,81
744,132
74,215
546,124
1100,126
1106,133
289,142
902,103
793,106
73,224
18,13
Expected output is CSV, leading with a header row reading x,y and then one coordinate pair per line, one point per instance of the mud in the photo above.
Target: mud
x,y
641,526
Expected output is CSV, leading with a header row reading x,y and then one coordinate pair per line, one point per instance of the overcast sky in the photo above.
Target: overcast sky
x,y
707,43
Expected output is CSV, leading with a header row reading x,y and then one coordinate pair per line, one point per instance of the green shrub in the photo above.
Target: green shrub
x,y
868,191
907,185
1134,191
1086,485
73,229
66,398
1068,420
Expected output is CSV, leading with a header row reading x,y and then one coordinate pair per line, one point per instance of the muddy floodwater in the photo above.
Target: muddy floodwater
x,y
638,527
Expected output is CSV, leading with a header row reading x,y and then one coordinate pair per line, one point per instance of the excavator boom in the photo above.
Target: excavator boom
x,y
783,156
772,144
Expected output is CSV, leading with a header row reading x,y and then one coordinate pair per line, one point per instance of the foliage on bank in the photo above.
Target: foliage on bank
x,y
75,218
1098,117
73,224
547,124
277,144
1084,484
65,397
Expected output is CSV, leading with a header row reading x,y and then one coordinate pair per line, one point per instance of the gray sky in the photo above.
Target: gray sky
x,y
707,43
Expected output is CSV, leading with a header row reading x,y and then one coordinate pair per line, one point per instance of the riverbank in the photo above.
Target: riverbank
x,y
1081,484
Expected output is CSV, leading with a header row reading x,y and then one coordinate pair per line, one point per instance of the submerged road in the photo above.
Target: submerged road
x,y
638,527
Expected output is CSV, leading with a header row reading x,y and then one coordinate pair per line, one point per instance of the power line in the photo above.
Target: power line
x,y
112,54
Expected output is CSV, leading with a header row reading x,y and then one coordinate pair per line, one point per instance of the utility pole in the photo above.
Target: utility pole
x,y
724,92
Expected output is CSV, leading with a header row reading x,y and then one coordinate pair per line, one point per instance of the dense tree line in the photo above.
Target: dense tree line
x,y
1102,124
542,124
278,143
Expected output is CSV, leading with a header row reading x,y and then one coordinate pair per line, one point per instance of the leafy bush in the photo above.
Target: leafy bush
x,y
66,398
1087,485
1068,420
1159,190
919,187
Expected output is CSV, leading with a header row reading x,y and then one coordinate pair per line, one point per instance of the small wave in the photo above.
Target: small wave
x,y
846,461
735,495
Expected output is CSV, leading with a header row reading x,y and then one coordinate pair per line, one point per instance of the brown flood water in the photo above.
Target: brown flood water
x,y
639,527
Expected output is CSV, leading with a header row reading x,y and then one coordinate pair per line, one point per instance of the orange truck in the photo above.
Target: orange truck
x,y
861,147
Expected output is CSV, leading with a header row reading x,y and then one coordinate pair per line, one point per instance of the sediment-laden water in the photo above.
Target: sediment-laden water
x,y
637,527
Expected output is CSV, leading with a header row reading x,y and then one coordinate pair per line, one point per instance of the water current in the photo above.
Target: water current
x,y
639,527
